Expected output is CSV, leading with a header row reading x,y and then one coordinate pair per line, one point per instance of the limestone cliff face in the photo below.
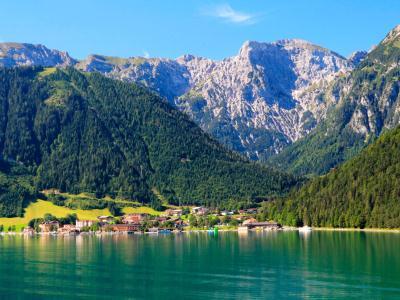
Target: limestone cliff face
x,y
374,88
266,96
256,102
367,103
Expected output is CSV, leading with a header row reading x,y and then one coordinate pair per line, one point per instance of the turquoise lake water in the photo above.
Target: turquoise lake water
x,y
257,265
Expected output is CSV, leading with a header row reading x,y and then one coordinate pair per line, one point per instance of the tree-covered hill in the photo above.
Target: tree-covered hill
x,y
363,192
368,102
87,133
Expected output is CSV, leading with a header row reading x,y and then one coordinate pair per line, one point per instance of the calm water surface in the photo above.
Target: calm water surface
x,y
275,265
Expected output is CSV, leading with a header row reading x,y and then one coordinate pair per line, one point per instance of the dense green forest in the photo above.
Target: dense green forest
x,y
16,189
363,192
368,99
87,133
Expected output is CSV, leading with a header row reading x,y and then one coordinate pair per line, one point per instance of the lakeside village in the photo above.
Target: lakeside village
x,y
172,220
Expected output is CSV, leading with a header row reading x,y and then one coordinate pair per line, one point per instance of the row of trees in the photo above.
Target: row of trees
x,y
69,219
11,228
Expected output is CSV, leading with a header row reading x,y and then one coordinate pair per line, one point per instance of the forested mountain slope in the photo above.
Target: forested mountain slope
x,y
363,192
84,132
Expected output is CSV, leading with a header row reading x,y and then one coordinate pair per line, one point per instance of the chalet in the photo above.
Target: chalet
x,y
248,211
105,219
134,218
51,192
125,227
49,226
173,212
249,221
79,224
251,210
200,211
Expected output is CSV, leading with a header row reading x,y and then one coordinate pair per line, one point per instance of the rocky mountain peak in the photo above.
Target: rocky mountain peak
x,y
394,34
266,96
247,47
356,57
295,43
186,58
95,63
21,54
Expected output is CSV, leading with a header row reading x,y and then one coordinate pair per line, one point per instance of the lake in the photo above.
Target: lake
x,y
256,265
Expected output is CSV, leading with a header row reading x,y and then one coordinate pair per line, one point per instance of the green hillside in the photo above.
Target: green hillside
x,y
86,133
363,192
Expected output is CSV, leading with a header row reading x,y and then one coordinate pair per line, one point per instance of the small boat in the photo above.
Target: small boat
x,y
164,231
153,230
305,229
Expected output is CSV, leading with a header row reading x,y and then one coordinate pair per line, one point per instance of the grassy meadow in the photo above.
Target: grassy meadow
x,y
40,207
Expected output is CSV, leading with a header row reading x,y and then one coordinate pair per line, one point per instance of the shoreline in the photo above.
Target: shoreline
x,y
376,230
391,230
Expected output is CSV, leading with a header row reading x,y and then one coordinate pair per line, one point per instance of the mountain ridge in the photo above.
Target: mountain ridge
x,y
23,54
242,100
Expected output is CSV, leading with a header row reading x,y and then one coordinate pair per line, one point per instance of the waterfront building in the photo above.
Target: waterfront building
x,y
49,226
134,218
200,210
79,224
125,227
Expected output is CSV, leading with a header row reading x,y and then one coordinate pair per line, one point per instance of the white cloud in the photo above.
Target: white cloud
x,y
146,54
228,14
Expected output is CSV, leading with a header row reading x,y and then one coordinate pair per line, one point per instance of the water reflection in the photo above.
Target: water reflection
x,y
241,265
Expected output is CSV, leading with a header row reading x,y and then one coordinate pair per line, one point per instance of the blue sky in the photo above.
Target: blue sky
x,y
214,29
